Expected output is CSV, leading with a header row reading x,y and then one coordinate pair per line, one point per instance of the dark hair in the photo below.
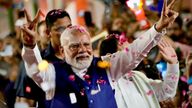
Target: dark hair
x,y
21,14
149,68
53,15
179,21
109,45
88,19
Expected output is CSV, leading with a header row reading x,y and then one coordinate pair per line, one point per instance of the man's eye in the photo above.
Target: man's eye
x,y
60,29
86,44
74,46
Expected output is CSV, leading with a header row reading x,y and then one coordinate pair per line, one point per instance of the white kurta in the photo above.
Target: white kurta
x,y
137,91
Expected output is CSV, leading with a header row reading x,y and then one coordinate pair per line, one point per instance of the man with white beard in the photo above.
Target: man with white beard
x,y
80,82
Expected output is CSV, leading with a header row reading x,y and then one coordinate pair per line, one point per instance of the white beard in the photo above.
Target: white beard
x,y
79,64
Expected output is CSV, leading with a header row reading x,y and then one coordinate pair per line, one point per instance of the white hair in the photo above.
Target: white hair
x,y
71,31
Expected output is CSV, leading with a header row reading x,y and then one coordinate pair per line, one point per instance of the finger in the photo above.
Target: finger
x,y
39,13
167,39
166,42
170,6
36,19
160,46
164,7
42,14
163,54
28,31
28,17
171,42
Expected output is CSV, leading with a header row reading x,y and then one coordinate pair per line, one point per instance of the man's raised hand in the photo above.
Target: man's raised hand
x,y
168,16
29,34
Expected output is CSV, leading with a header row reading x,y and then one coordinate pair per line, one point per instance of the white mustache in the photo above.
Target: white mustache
x,y
83,55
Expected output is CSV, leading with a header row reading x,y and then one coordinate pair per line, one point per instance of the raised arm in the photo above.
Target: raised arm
x,y
126,60
167,88
29,34
29,40
32,57
30,52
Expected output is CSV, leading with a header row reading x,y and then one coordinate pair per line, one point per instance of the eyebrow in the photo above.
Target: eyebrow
x,y
73,43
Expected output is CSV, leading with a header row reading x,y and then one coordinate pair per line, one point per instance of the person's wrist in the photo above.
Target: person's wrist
x,y
173,62
29,46
157,27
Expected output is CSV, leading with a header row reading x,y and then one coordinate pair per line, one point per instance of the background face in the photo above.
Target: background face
x,y
57,28
174,29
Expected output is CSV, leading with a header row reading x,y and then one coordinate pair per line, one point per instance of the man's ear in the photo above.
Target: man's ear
x,y
48,33
61,51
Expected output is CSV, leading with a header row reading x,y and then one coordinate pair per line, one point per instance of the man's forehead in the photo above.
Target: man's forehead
x,y
65,25
79,38
62,21
76,34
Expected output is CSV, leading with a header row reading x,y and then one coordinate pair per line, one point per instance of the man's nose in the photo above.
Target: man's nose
x,y
82,48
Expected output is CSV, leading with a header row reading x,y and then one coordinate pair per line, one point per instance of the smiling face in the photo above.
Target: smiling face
x,y
77,47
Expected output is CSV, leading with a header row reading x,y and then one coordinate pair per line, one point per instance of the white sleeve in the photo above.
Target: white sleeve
x,y
45,79
31,56
128,59
167,88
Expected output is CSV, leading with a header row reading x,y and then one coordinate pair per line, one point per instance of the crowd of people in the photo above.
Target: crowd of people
x,y
132,67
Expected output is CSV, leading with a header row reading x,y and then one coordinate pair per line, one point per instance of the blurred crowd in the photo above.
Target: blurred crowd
x,y
122,23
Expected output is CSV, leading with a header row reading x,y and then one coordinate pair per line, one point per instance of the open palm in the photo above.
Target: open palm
x,y
167,51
